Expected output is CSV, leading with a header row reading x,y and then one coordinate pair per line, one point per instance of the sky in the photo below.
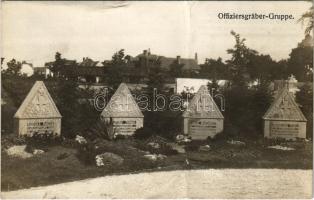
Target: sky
x,y
35,31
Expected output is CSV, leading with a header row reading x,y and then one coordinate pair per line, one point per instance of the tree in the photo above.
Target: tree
x,y
308,19
66,97
300,63
57,65
155,78
14,68
305,99
176,69
263,68
239,62
260,102
116,68
214,69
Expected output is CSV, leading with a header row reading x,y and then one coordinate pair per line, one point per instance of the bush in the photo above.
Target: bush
x,y
41,141
305,98
10,140
143,133
164,123
245,108
164,149
101,130
87,153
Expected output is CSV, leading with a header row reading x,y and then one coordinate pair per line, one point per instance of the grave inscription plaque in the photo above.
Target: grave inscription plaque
x,y
123,112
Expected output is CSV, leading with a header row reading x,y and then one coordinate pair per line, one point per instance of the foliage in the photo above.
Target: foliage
x,y
263,68
14,68
163,148
305,98
176,69
116,66
215,69
78,114
246,105
41,141
155,79
10,140
58,63
261,100
239,63
143,133
308,18
87,153
300,63
165,123
100,129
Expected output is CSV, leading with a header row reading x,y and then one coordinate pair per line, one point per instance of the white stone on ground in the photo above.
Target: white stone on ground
x,y
18,151
80,139
38,151
108,159
236,142
281,148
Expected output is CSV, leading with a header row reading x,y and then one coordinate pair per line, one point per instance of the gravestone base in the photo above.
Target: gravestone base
x,y
27,127
125,126
284,129
202,128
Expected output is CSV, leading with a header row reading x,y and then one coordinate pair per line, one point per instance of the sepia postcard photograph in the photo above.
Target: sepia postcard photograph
x,y
156,99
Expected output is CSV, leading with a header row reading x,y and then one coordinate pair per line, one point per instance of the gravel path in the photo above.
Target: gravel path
x,y
210,183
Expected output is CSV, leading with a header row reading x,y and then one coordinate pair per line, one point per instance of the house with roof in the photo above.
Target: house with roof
x,y
135,70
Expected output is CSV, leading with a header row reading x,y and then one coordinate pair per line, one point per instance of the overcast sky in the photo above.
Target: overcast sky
x,y
34,31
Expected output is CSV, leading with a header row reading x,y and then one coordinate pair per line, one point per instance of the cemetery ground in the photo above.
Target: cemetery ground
x,y
65,161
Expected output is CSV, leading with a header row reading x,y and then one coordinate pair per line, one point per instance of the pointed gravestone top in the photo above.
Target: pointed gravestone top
x,y
38,104
203,106
122,104
284,107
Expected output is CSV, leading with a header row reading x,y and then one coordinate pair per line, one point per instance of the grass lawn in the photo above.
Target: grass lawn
x,y
61,164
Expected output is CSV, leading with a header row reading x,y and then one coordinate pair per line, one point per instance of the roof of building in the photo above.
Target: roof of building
x,y
284,108
188,63
88,62
203,106
38,104
122,104
86,71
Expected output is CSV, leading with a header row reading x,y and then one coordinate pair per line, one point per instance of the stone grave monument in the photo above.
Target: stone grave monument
x,y
284,118
202,117
123,112
38,113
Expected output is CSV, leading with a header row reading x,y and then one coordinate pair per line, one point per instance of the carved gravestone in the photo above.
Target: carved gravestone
x,y
202,118
284,118
38,113
123,112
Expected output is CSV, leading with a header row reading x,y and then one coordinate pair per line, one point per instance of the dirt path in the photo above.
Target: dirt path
x,y
211,183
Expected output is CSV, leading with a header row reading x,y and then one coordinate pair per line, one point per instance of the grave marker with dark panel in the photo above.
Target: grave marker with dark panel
x,y
38,113
284,119
202,118
123,112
